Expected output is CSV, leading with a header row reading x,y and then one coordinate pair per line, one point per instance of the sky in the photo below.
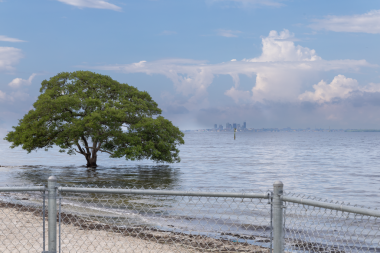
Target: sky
x,y
270,63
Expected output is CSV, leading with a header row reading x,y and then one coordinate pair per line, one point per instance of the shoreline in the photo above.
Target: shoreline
x,y
83,235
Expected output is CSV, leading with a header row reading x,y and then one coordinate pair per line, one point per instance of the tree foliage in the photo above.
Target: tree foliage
x,y
84,112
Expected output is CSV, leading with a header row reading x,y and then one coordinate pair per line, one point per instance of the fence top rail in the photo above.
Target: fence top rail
x,y
326,205
22,188
165,192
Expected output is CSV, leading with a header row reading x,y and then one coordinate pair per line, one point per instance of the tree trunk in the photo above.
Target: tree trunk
x,y
91,161
90,155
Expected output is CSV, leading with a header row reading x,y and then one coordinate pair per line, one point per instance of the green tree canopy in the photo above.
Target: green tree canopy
x,y
84,112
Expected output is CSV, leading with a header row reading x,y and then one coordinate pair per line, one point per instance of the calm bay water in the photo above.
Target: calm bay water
x,y
334,165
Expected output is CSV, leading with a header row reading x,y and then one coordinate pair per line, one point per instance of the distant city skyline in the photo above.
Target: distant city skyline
x,y
231,126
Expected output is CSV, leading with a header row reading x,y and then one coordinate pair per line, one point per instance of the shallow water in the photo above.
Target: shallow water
x,y
334,165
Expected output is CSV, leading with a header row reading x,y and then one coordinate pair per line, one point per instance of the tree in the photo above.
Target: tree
x,y
84,112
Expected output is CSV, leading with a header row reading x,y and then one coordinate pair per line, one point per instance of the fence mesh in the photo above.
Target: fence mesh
x,y
21,222
141,223
315,229
144,223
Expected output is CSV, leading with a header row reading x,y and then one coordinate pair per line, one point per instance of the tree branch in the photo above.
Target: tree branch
x,y
81,150
85,144
78,151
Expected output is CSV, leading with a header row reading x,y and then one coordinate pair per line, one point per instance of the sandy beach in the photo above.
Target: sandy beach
x,y
21,231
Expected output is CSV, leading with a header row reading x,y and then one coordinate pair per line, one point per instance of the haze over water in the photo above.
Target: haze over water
x,y
334,165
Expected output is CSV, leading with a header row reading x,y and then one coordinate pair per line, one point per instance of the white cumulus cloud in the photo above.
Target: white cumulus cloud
x,y
281,47
281,72
97,4
363,23
8,39
9,56
340,87
17,82
238,95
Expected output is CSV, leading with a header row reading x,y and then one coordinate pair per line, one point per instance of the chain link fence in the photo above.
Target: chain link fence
x,y
163,222
21,220
90,219
319,229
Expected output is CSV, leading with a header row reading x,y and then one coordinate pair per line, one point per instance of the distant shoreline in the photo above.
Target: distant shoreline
x,y
254,130
363,130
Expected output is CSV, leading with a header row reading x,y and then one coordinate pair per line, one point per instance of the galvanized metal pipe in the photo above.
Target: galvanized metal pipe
x,y
52,214
343,208
22,189
59,224
270,201
43,222
164,192
278,188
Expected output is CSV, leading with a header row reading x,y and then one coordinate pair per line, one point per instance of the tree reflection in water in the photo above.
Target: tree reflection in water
x,y
146,176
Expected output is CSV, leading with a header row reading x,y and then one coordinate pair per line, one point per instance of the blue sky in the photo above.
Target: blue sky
x,y
271,63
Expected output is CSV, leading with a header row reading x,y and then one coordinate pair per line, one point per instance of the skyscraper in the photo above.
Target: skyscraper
x,y
215,126
245,125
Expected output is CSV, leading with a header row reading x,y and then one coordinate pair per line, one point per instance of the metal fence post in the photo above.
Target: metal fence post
x,y
43,221
52,214
277,217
